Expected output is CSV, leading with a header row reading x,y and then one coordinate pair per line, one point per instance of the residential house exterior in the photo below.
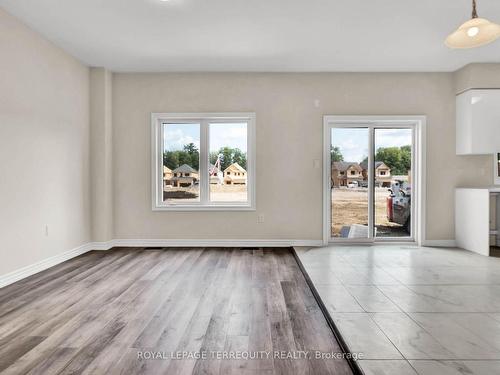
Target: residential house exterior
x,y
167,176
383,176
235,174
184,176
345,172
213,171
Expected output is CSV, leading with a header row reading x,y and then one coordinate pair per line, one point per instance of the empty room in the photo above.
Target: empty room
x,y
266,187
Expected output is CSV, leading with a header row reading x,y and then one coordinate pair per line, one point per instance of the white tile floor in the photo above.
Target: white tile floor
x,y
410,310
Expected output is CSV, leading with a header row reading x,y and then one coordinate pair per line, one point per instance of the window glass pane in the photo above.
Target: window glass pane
x,y
349,184
393,184
181,163
228,162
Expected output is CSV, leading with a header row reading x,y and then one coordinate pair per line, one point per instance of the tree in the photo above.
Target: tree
x,y
396,158
170,159
193,158
336,154
185,158
213,157
406,158
229,156
190,148
188,155
240,158
391,156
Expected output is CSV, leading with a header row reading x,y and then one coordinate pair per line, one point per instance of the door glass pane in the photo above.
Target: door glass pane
x,y
393,184
181,163
349,182
228,162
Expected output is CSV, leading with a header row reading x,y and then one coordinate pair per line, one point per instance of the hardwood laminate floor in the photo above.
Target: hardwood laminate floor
x,y
153,311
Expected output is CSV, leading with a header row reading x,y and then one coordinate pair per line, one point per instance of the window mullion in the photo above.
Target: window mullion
x,y
204,180
159,162
371,182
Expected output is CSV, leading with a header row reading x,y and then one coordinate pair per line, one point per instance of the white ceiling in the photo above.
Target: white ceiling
x,y
259,35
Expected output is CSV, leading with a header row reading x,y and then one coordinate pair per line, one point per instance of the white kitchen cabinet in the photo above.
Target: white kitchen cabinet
x,y
478,122
477,219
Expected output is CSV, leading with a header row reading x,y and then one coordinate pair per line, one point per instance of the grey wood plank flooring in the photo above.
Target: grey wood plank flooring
x,y
95,313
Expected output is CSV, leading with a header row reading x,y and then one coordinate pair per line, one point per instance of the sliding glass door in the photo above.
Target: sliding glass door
x,y
349,187
370,181
393,182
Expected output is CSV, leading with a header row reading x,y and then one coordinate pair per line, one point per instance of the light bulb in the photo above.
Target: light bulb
x,y
472,32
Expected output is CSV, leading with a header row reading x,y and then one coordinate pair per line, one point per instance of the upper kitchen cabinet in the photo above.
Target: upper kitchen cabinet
x,y
478,122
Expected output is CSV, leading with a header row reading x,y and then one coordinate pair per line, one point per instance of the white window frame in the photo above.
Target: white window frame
x,y
204,119
418,123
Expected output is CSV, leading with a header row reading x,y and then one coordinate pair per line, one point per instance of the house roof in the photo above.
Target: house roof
x,y
184,168
345,165
166,169
236,166
364,164
213,169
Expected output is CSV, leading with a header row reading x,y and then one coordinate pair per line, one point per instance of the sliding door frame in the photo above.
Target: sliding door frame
x,y
417,123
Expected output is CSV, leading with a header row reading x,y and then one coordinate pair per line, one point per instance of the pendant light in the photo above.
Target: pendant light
x,y
474,33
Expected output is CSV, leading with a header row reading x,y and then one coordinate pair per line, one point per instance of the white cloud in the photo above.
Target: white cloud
x,y
228,135
175,139
392,137
352,150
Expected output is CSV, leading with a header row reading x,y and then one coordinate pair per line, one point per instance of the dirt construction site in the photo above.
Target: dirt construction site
x,y
350,206
218,193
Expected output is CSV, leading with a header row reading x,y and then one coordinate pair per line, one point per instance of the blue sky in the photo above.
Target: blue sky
x,y
353,143
233,135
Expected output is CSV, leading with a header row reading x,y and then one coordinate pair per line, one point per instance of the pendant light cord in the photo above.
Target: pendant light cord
x,y
474,11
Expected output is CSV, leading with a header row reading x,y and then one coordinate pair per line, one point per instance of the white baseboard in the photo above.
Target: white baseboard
x,y
440,243
234,243
203,243
102,245
24,272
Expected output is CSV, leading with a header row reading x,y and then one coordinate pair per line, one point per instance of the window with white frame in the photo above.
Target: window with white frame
x,y
203,161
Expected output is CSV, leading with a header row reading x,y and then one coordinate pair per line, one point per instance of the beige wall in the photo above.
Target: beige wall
x,y
43,148
289,138
101,149
477,76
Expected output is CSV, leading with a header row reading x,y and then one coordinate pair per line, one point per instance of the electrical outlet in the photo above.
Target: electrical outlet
x,y
46,230
260,218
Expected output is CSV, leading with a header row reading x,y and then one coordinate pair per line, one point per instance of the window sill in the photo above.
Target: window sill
x,y
218,207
